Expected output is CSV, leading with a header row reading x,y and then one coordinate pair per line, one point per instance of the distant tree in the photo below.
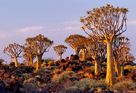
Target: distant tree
x,y
80,43
14,51
60,49
71,40
1,61
40,45
97,51
106,22
124,51
29,54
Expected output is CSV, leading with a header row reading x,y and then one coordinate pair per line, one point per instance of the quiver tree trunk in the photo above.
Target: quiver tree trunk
x,y
77,51
16,63
83,54
110,75
38,64
122,70
117,66
31,60
60,56
97,66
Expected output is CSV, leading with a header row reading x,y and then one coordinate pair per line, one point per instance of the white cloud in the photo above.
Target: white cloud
x,y
71,28
132,22
28,29
72,22
3,35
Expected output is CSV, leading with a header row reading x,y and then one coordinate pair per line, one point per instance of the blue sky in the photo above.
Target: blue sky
x,y
55,19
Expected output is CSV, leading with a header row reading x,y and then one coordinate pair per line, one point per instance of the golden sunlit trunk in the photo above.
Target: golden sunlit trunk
x,y
117,66
122,70
110,75
16,63
31,60
38,64
60,56
83,54
77,51
97,67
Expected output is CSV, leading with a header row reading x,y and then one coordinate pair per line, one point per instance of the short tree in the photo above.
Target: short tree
x,y
60,49
29,54
14,51
71,40
80,43
106,22
40,45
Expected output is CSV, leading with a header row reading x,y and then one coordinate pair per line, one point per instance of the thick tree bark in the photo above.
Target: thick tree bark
x,y
31,60
15,59
60,56
97,66
38,64
83,54
122,70
77,51
110,76
117,66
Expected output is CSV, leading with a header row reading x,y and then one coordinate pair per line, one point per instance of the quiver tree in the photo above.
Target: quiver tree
x,y
71,40
14,51
118,42
106,22
80,43
29,55
40,45
97,51
60,49
124,51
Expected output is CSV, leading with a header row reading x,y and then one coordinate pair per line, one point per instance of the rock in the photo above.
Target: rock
x,y
68,69
2,73
7,74
16,90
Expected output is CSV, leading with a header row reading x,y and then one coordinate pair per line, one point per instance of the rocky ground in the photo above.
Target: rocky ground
x,y
65,76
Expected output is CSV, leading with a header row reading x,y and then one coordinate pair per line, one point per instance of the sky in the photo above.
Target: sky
x,y
55,19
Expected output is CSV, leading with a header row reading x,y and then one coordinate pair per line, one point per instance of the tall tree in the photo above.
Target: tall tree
x,y
14,51
40,45
106,22
60,49
71,40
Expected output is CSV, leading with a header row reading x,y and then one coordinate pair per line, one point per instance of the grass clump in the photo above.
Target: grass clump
x,y
84,83
98,84
123,85
26,75
59,78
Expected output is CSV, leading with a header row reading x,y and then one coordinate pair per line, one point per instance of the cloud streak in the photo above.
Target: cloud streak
x,y
132,23
29,29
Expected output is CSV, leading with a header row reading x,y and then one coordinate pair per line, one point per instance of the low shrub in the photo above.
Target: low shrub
x,y
26,75
129,68
84,83
61,77
123,85
98,84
